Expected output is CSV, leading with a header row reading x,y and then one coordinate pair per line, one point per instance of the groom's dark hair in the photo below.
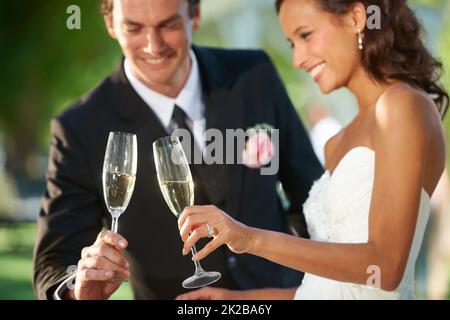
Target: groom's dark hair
x,y
396,51
106,6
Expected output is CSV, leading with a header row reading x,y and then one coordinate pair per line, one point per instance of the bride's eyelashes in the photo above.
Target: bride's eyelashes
x,y
305,35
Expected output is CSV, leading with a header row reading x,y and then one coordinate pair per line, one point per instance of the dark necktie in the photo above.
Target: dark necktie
x,y
208,174
178,121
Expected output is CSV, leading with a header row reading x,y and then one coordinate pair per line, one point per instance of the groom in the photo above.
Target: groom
x,y
162,78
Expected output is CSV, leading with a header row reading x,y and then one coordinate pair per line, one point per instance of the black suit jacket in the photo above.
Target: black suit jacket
x,y
241,89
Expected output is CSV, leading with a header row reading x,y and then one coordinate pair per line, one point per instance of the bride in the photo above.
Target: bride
x,y
367,214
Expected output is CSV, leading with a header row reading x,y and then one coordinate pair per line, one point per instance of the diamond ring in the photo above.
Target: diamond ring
x,y
210,231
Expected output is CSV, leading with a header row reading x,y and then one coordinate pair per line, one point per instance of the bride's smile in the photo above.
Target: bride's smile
x,y
325,46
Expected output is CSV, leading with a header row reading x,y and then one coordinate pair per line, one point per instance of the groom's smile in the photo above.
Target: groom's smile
x,y
155,37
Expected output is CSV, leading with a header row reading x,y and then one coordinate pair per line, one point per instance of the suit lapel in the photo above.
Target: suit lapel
x,y
130,106
137,117
224,110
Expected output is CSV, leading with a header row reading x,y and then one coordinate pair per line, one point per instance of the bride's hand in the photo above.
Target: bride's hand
x,y
193,224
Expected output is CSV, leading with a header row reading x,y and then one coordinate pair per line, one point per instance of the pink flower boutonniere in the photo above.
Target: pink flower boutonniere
x,y
259,148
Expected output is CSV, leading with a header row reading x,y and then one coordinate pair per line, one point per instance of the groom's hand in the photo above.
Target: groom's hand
x,y
210,293
100,266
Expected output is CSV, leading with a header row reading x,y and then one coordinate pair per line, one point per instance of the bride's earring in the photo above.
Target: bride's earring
x,y
360,40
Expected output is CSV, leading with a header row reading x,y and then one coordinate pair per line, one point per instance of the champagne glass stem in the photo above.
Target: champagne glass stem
x,y
198,266
115,224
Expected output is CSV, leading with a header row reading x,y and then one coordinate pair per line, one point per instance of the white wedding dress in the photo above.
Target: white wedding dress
x,y
337,210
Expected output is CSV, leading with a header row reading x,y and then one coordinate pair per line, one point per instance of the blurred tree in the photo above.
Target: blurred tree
x,y
45,66
435,3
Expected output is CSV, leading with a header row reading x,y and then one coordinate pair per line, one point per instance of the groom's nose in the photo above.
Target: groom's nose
x,y
155,43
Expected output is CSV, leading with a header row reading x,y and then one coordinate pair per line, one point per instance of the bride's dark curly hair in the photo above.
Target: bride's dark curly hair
x,y
396,51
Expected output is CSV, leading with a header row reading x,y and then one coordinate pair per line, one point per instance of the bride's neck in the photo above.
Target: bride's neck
x,y
366,90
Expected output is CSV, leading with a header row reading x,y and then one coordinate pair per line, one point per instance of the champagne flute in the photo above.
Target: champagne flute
x,y
177,187
119,174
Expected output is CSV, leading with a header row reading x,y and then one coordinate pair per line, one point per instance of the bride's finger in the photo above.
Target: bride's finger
x,y
196,235
193,222
210,247
192,211
187,211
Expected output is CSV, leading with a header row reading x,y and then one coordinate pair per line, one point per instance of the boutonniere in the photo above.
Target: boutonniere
x,y
259,148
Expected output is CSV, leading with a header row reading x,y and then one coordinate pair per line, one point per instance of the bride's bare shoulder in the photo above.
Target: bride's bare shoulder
x,y
407,109
406,115
408,126
402,101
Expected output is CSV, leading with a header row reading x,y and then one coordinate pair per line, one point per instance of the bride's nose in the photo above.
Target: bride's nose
x,y
155,43
298,58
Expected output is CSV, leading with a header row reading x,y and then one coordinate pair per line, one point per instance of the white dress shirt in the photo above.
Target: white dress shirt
x,y
189,100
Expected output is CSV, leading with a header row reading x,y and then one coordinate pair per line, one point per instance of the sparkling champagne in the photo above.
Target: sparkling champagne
x,y
118,188
178,194
177,187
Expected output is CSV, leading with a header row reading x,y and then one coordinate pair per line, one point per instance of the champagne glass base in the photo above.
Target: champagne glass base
x,y
201,279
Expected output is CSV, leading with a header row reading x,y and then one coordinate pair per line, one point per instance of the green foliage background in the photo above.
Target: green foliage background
x,y
45,67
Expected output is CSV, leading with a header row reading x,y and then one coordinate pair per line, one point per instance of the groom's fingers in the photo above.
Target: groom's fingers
x,y
210,247
112,239
101,263
88,275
